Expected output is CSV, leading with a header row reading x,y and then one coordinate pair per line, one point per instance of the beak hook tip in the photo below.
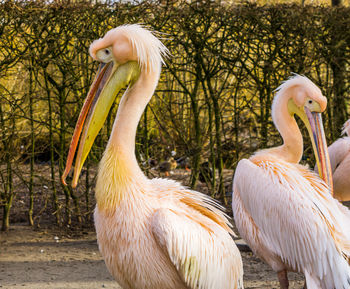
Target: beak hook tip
x,y
64,176
63,180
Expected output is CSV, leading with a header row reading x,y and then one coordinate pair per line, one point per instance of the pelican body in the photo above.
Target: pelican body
x,y
152,233
339,155
284,211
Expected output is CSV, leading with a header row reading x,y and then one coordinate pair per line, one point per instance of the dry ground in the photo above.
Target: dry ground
x,y
48,259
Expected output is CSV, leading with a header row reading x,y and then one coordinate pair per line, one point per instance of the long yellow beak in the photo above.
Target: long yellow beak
x,y
319,145
109,80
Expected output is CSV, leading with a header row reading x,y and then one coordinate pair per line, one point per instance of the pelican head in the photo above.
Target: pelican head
x,y
306,101
124,53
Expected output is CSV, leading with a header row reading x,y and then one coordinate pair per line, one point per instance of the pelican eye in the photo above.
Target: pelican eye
x,y
310,101
104,55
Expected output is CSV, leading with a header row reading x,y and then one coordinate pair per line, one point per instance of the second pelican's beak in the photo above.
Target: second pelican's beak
x,y
319,145
109,80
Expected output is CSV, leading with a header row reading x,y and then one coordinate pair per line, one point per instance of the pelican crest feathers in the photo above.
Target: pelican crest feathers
x,y
150,51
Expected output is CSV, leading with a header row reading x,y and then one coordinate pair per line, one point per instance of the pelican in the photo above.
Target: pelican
x,y
339,155
284,211
152,233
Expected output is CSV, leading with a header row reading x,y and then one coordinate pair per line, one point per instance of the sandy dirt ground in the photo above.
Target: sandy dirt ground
x,y
46,259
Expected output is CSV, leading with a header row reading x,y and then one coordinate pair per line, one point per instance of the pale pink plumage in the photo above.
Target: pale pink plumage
x,y
339,154
154,234
285,212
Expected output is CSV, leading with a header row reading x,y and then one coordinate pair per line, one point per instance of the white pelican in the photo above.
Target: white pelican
x,y
153,234
282,209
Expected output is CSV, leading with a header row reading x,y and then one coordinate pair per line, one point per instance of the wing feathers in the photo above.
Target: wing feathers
x,y
204,260
201,203
219,219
